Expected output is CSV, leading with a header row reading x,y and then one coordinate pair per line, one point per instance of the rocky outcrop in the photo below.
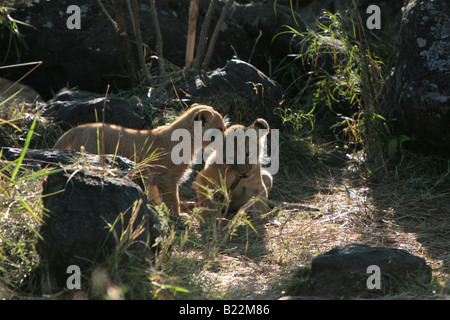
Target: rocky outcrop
x,y
89,204
90,216
92,57
70,108
358,270
39,159
262,96
419,93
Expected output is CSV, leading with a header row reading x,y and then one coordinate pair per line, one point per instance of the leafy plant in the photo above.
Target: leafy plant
x,y
10,25
23,206
395,145
336,79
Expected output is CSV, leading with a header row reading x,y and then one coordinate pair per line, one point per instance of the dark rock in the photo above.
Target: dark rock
x,y
419,93
266,23
85,58
329,55
21,92
71,108
92,57
342,271
37,159
87,213
262,95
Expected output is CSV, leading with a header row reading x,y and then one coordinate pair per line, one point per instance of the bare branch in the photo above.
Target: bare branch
x,y
215,34
134,16
204,34
115,26
159,40
192,26
120,28
130,12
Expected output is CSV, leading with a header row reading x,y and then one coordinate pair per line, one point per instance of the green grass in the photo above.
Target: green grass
x,y
336,81
21,215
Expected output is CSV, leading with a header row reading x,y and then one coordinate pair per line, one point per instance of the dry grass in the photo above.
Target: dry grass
x,y
330,208
311,215
405,207
313,211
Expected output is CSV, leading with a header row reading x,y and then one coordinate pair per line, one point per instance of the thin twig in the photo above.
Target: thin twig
x,y
102,156
133,20
134,15
159,40
114,23
36,64
215,34
122,32
192,27
204,34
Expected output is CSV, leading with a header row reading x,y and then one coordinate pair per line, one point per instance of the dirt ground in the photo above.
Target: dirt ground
x,y
336,207
312,212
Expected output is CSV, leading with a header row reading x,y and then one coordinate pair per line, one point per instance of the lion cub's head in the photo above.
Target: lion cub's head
x,y
245,146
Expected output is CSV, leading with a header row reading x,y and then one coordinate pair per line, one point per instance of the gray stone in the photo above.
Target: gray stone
x,y
38,159
86,214
262,95
343,271
419,93
71,108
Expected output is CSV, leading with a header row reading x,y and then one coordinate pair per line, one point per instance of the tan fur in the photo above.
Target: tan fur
x,y
137,145
26,94
247,180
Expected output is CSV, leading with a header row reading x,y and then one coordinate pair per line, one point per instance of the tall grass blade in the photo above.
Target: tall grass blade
x,y
19,161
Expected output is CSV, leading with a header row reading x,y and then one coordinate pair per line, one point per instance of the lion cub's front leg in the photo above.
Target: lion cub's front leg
x,y
161,189
169,195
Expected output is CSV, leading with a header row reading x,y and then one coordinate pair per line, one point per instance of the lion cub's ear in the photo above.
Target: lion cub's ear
x,y
260,123
205,116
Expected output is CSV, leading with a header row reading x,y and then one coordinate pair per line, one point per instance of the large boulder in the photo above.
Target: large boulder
x,y
265,23
87,212
262,96
70,108
346,271
92,57
40,159
419,93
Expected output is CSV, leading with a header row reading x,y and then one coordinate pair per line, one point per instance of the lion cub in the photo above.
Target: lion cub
x,y
239,169
137,145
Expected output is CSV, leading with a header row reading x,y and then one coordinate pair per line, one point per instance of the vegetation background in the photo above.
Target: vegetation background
x,y
347,175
